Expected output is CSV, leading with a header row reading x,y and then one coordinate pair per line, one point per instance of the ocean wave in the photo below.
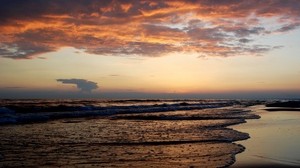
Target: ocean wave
x,y
31,111
7,116
185,131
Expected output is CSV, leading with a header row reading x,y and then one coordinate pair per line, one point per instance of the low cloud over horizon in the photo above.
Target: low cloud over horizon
x,y
82,84
145,28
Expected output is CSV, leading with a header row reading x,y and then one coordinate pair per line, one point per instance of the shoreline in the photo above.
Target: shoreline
x,y
138,136
273,139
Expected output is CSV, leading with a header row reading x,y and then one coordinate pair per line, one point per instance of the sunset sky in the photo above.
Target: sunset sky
x,y
146,49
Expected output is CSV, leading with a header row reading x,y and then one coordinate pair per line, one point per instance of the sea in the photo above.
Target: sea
x,y
122,133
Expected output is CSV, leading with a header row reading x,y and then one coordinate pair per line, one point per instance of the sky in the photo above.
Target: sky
x,y
149,49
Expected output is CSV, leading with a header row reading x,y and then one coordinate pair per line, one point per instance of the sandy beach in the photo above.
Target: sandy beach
x,y
147,134
138,133
274,139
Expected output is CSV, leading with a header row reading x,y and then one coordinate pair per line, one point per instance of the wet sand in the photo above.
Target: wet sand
x,y
274,140
194,138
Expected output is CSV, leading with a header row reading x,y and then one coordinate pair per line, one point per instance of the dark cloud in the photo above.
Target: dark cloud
x,y
146,28
27,10
289,27
23,50
244,32
207,34
244,40
114,75
82,84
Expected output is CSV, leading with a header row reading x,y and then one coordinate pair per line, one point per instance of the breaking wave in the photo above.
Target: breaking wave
x,y
30,111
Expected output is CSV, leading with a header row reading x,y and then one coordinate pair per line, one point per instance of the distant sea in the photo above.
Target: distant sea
x,y
121,133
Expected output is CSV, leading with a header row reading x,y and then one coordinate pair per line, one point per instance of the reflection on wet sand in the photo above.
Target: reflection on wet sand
x,y
179,140
274,139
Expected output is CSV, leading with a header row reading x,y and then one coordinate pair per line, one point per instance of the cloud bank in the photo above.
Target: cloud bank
x,y
82,84
146,28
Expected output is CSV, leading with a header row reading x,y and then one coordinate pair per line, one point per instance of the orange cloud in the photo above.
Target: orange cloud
x,y
146,28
